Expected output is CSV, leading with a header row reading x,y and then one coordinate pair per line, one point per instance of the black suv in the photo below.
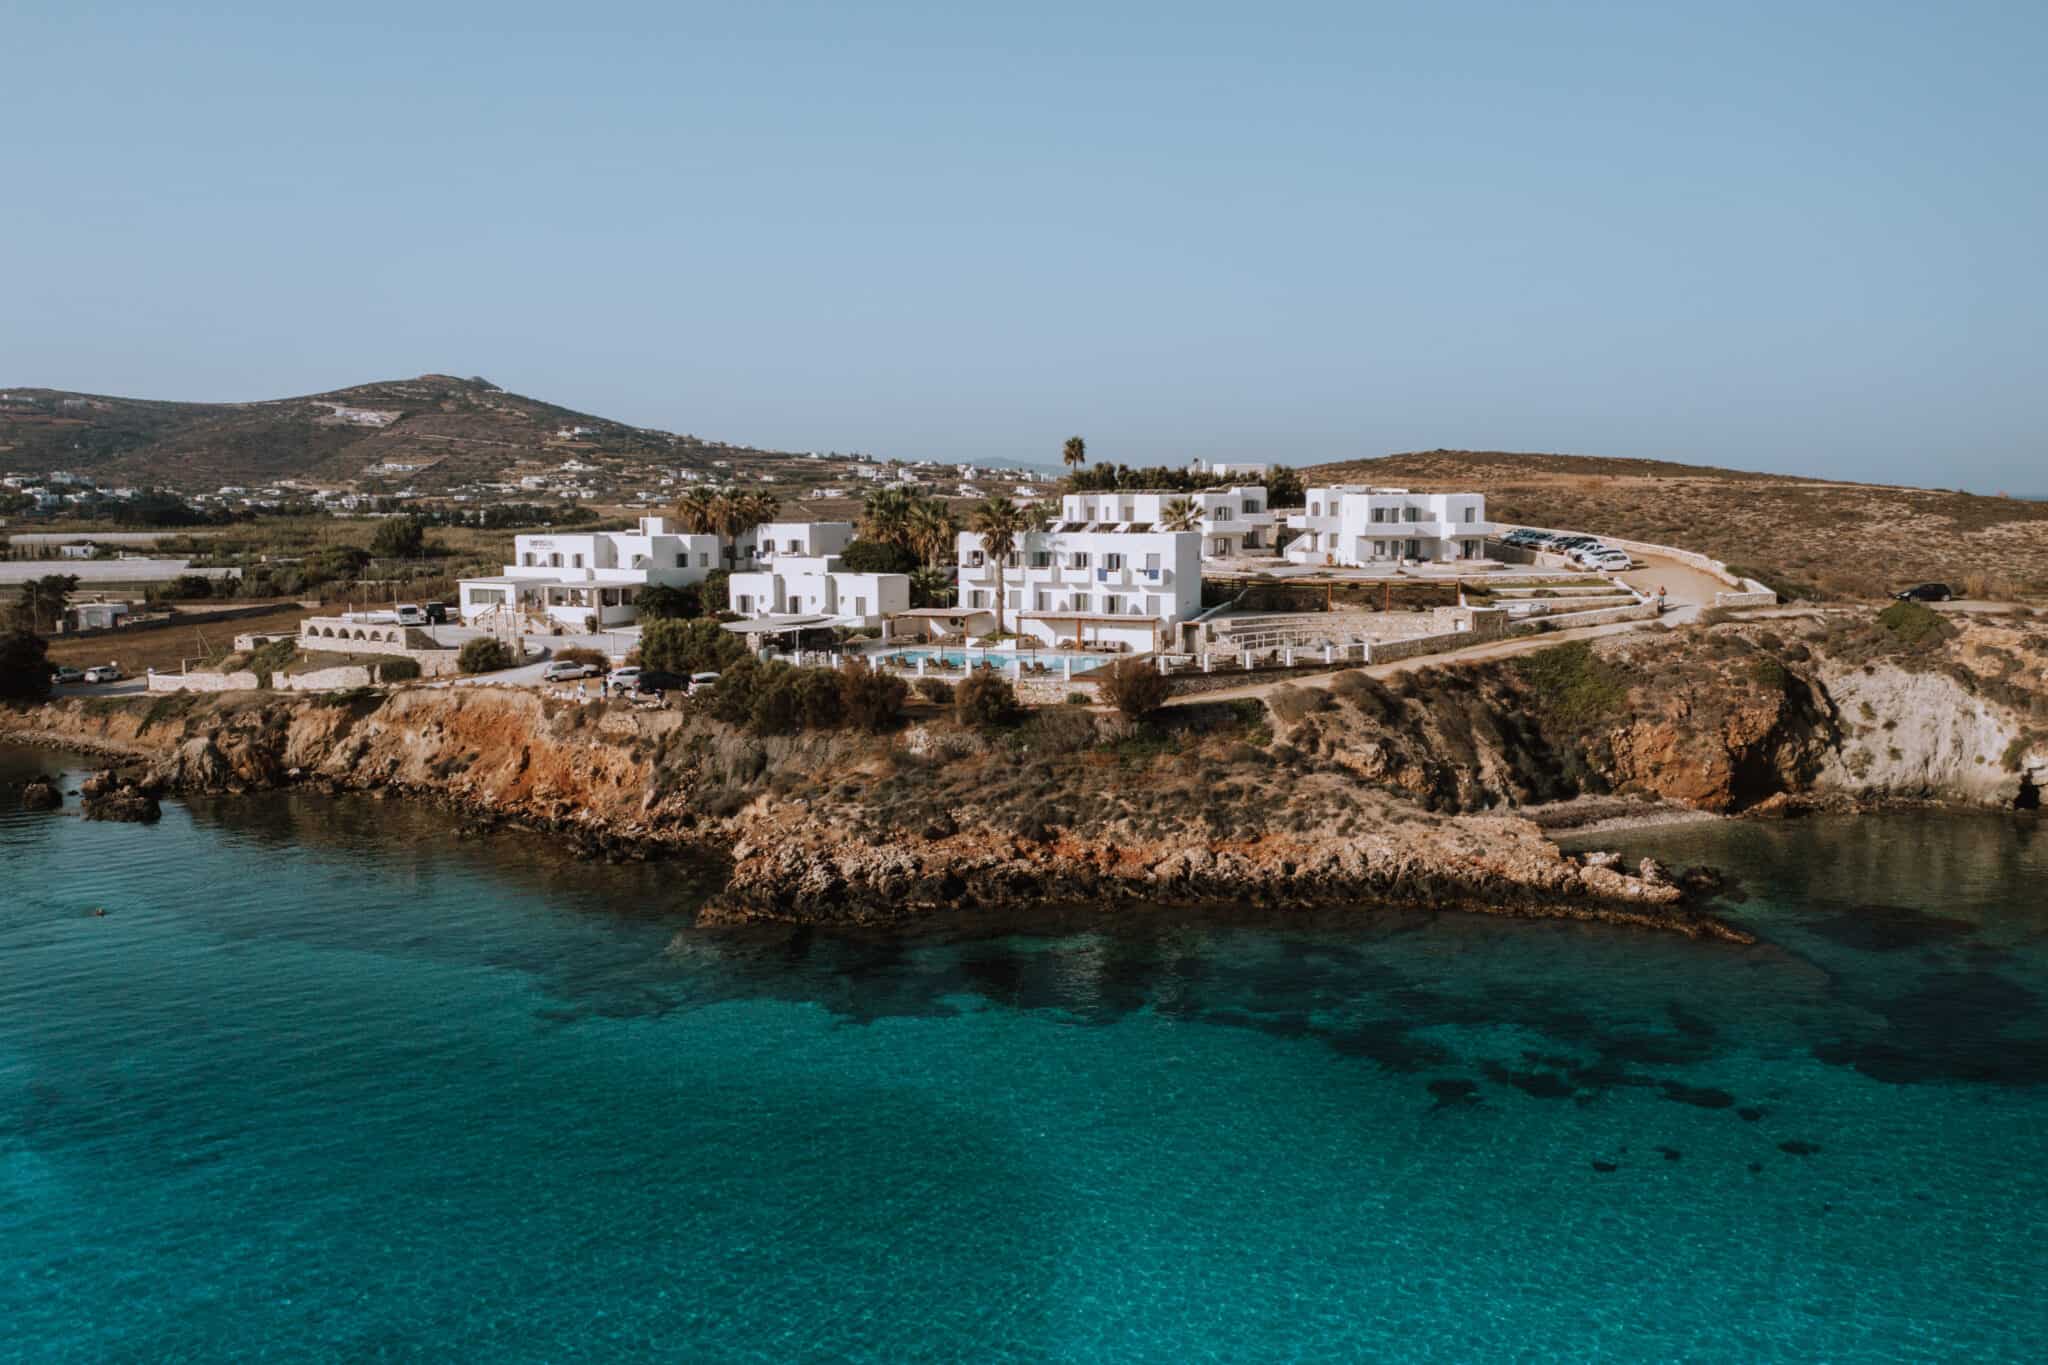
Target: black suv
x,y
1925,592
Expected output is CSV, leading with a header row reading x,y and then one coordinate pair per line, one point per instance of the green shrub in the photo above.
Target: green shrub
x,y
935,690
661,602
699,646
398,670
398,538
1770,674
1079,699
1134,687
1575,686
483,655
986,699
1290,704
876,556
1912,624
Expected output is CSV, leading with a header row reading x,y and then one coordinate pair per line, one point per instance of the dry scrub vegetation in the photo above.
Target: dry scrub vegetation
x,y
1807,538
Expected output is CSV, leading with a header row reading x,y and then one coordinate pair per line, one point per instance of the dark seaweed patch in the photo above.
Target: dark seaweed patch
x,y
1888,928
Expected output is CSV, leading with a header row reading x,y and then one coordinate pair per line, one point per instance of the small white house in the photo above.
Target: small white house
x,y
815,585
799,539
1355,526
1233,521
1084,582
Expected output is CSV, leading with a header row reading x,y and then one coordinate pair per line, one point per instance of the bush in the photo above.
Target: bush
x,y
1290,704
484,655
1134,687
936,690
24,666
699,646
715,592
398,670
1079,699
1912,624
1770,674
986,699
870,699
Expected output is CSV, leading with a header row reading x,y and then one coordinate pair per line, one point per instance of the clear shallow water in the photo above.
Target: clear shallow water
x,y
326,1082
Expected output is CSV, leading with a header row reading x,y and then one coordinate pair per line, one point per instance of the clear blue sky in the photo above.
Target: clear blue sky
x,y
1806,236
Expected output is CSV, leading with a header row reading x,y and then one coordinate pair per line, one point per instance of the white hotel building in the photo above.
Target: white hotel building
x,y
1233,520
1356,526
797,573
1087,582
575,580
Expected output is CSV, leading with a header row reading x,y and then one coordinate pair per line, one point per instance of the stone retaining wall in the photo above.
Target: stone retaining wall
x,y
339,635
339,677
1641,611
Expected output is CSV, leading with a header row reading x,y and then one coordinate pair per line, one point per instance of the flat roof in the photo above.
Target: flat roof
x,y
1098,617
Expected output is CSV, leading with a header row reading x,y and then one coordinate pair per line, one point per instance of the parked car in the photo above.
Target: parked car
x,y
624,677
1614,561
437,613
568,670
700,681
653,680
1584,555
103,673
1925,592
66,674
411,614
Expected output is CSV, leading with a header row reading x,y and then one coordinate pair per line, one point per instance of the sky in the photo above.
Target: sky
x,y
1796,236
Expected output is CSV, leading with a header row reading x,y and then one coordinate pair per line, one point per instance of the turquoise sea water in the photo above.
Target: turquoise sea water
x,y
326,1082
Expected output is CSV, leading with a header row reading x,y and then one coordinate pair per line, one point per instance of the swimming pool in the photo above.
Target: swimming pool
x,y
1054,660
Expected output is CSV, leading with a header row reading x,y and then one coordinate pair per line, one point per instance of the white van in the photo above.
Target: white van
x,y
411,614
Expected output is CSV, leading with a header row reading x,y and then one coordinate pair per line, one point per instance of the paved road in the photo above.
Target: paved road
x,y
127,687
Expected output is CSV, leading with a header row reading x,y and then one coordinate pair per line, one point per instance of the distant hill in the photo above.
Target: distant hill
x,y
1803,536
454,430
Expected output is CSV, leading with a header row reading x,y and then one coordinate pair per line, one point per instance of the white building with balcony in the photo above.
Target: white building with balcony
x,y
1233,521
1356,526
796,539
815,585
1084,582
589,579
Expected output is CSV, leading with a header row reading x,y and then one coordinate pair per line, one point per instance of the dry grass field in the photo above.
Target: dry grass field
x,y
1804,537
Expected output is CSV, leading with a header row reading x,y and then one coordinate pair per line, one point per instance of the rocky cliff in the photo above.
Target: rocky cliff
x,y
1365,790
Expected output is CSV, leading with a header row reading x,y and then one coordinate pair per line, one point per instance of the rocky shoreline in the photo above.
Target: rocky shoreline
x,y
1442,789
782,859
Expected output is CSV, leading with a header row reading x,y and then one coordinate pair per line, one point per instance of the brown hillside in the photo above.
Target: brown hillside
x,y
1805,537
456,429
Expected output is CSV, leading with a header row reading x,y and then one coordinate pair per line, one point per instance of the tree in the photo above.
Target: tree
x,y
999,522
933,532
1181,514
715,592
1134,687
694,511
42,602
932,587
483,655
24,666
660,602
876,556
398,538
1284,488
885,515
1075,453
699,646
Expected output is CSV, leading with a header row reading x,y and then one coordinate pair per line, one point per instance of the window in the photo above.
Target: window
x,y
1078,560
1041,559
1112,604
1411,514
704,559
577,563
1252,507
1380,513
1220,512
1112,561
1016,600
1469,514
1154,606
746,603
795,546
1152,563
1078,602
1043,602
1315,509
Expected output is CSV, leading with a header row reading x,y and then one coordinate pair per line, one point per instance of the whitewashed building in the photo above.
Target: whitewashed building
x,y
1089,582
773,540
1233,520
1353,525
1230,469
815,585
578,580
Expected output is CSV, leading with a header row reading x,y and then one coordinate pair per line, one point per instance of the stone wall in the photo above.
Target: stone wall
x,y
340,635
1640,611
245,680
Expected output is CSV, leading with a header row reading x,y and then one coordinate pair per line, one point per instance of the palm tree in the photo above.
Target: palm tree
x,y
694,510
1181,514
885,516
932,531
932,586
999,522
1075,453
